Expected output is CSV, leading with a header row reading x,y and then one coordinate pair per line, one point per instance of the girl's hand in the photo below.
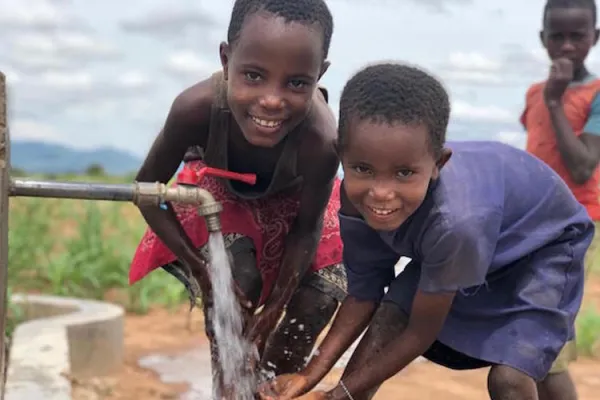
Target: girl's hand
x,y
318,395
284,387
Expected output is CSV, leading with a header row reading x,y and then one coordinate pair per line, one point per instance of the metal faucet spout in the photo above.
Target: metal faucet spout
x,y
155,194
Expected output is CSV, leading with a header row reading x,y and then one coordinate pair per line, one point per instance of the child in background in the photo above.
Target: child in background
x,y
262,114
562,119
495,237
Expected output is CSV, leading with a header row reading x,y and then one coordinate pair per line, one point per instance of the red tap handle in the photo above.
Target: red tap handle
x,y
189,177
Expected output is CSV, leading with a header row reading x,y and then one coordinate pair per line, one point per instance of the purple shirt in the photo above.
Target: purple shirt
x,y
502,230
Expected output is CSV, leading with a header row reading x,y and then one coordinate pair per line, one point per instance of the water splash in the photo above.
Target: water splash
x,y
234,350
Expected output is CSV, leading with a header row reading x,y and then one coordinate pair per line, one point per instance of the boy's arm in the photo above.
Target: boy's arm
x,y
580,154
428,313
454,256
369,264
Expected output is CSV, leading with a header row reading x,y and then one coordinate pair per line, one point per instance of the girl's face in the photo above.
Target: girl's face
x,y
387,171
272,71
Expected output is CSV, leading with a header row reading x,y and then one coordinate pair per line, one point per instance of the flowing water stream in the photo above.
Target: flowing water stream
x,y
234,349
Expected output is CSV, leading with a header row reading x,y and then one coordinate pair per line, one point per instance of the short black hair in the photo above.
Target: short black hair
x,y
302,11
585,4
396,93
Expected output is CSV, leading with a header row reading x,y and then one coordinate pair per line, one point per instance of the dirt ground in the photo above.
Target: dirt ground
x,y
174,332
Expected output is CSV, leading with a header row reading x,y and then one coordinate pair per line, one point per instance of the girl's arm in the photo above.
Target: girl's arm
x,y
301,241
184,126
317,164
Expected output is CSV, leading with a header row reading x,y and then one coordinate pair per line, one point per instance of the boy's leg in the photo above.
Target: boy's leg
x,y
506,383
558,384
307,314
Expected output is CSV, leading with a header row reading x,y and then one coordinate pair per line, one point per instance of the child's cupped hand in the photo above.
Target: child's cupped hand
x,y
561,74
284,387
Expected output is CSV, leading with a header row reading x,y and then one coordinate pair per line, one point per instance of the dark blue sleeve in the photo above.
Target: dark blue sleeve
x,y
458,255
368,260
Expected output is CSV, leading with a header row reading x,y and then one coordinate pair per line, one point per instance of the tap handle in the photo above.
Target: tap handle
x,y
189,177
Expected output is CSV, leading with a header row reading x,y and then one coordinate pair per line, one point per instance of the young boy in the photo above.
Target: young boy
x,y
262,114
562,119
496,241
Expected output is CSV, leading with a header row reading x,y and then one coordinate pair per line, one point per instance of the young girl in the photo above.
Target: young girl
x,y
496,241
262,114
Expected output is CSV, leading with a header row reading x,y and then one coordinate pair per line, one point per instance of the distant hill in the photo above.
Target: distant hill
x,y
40,157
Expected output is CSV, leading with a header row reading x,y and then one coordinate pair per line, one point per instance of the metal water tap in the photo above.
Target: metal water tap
x,y
209,208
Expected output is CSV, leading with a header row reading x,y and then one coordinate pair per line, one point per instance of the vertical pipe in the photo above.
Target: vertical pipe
x,y
4,186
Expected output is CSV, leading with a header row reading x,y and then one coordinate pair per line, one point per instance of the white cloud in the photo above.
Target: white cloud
x,y
66,82
513,138
37,15
63,44
187,63
439,5
22,129
491,113
134,80
170,21
56,92
36,51
473,61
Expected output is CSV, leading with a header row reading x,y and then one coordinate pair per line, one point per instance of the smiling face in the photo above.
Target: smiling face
x,y
387,170
569,33
272,71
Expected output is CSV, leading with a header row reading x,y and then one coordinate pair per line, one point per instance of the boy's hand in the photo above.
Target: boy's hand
x,y
561,74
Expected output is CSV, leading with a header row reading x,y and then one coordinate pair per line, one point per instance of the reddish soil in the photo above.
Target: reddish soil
x,y
174,332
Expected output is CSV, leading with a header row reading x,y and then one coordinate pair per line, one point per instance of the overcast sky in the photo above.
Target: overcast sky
x,y
104,73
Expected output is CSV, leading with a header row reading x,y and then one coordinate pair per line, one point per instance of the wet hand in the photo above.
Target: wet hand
x,y
261,325
284,387
318,395
242,298
561,74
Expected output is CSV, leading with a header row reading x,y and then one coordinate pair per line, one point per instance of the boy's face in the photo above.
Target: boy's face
x,y
272,71
387,170
569,33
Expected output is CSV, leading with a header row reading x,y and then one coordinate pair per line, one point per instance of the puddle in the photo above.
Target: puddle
x,y
193,368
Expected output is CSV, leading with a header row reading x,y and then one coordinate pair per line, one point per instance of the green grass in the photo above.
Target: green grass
x,y
588,331
81,249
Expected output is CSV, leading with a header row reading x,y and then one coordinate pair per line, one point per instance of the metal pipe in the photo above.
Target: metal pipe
x,y
72,190
140,193
4,183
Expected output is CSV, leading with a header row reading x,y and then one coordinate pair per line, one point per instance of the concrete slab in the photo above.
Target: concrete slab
x,y
62,336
